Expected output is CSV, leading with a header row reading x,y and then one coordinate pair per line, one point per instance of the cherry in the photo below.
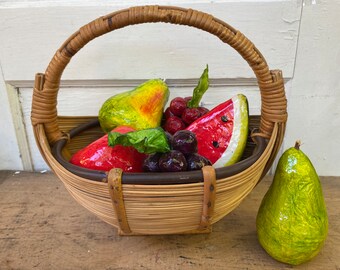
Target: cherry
x,y
178,115
203,110
177,106
173,124
187,99
168,113
190,115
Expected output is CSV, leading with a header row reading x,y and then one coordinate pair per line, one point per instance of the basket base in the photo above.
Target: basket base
x,y
208,229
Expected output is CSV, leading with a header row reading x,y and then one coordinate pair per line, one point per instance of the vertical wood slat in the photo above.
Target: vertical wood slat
x,y
19,126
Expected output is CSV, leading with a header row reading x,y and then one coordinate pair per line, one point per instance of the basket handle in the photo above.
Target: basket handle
x,y
44,111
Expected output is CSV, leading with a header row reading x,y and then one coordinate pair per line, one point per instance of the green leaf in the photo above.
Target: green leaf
x,y
148,141
200,89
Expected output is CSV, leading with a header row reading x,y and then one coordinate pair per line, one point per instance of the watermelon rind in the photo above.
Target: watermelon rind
x,y
239,136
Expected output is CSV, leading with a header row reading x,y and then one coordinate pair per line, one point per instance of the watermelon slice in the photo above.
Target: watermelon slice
x,y
222,133
100,156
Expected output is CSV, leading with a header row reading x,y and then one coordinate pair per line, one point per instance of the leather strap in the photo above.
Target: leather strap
x,y
116,194
209,196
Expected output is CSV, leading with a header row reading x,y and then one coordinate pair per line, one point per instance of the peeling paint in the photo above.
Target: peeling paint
x,y
291,21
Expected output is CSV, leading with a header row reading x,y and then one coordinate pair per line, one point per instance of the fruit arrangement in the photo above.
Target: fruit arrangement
x,y
143,135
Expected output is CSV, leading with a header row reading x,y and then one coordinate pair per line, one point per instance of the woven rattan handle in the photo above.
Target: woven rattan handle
x,y
271,85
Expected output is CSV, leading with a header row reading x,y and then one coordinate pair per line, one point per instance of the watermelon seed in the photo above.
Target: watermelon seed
x,y
215,144
224,119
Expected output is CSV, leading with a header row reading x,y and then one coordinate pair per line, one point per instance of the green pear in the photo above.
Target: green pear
x,y
140,108
292,222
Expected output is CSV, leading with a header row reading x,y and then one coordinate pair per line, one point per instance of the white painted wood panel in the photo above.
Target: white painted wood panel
x,y
315,97
9,154
147,51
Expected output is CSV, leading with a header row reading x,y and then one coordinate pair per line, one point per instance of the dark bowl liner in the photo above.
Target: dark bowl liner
x,y
156,178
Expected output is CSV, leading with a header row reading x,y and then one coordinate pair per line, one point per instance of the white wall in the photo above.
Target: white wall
x,y
314,103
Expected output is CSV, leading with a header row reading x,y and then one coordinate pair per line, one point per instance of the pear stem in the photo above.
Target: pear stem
x,y
297,145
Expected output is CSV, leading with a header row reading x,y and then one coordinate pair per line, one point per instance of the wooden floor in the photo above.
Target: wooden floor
x,y
42,227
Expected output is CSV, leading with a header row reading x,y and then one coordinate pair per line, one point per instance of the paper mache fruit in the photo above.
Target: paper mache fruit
x,y
140,108
292,222
222,132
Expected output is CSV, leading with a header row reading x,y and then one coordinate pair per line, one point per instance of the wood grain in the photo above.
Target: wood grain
x,y
42,227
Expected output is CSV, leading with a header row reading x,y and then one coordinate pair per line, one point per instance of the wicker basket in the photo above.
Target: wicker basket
x,y
157,203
